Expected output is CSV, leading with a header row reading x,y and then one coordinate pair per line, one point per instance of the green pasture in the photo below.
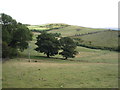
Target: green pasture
x,y
47,26
64,29
19,73
91,68
75,30
101,39
37,27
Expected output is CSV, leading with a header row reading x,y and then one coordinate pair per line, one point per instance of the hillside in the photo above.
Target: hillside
x,y
47,26
103,40
84,36
91,68
75,30
64,29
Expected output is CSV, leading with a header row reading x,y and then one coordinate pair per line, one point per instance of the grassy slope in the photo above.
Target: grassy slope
x,y
89,69
47,26
101,39
73,30
69,30
19,73
37,27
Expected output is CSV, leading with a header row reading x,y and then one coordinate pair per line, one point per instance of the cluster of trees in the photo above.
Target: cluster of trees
x,y
15,36
50,44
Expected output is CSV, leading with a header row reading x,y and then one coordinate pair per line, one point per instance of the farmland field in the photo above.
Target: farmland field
x,y
74,30
55,73
65,30
47,26
102,39
91,68
37,27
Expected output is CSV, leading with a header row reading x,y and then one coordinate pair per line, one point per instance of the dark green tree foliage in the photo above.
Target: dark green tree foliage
x,y
48,44
68,46
22,35
15,36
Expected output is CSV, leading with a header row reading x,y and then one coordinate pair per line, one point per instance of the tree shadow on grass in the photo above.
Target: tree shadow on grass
x,y
41,58
45,58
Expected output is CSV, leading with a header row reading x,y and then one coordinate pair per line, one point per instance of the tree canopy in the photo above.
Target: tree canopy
x,y
15,36
48,44
68,47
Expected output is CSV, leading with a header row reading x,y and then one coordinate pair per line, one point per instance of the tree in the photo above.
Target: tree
x,y
22,36
68,46
48,44
15,36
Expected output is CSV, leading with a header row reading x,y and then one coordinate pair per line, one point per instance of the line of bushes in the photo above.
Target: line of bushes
x,y
98,47
87,33
39,31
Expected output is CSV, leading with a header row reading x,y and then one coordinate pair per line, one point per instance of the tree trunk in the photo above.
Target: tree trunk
x,y
65,58
48,55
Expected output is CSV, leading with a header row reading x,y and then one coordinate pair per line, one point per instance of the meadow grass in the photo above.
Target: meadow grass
x,y
91,68
47,26
19,73
102,39
70,30
37,27
73,30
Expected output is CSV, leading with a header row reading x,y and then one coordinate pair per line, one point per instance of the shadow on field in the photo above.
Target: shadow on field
x,y
46,58
41,58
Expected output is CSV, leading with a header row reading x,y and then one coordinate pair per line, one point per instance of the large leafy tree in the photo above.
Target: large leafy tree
x,y
21,37
68,47
15,36
48,44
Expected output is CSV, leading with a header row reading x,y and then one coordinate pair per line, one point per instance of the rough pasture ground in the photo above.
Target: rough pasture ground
x,y
47,26
19,73
90,69
73,30
37,27
64,29
102,39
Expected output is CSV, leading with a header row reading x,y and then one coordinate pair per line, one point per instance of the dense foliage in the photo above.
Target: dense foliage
x,y
68,46
15,36
48,44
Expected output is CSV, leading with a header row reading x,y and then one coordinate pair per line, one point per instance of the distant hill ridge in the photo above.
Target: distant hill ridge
x,y
96,38
64,29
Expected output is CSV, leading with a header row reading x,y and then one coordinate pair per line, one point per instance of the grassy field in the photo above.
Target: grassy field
x,y
37,27
47,26
75,30
102,39
91,68
64,29
55,73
